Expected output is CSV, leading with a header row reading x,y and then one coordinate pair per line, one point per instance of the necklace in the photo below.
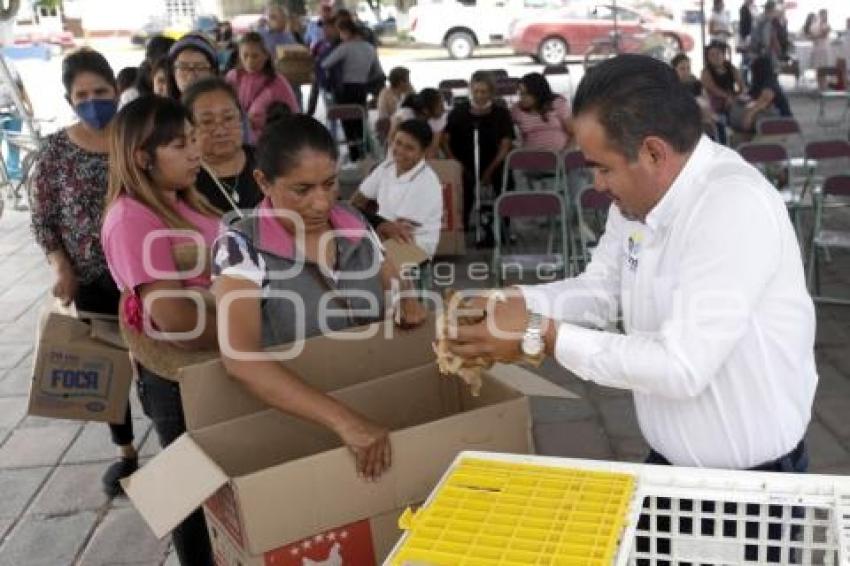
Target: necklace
x,y
232,189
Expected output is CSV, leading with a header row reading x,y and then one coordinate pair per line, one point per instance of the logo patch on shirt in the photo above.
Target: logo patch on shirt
x,y
635,241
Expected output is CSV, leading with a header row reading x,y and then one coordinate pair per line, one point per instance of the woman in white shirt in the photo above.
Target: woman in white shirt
x,y
407,191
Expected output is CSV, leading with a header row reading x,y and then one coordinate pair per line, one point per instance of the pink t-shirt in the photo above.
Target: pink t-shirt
x,y
256,92
540,134
137,255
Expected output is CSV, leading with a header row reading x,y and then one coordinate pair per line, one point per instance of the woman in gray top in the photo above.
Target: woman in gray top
x,y
358,66
302,265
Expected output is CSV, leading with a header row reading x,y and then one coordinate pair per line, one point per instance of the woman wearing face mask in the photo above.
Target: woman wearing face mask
x,y
407,190
70,187
427,105
227,174
192,58
258,84
326,250
154,160
492,120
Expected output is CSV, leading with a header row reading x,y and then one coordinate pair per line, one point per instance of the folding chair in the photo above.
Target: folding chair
x,y
773,162
574,165
508,89
531,204
348,113
826,239
825,154
453,84
496,74
591,202
448,96
787,131
532,163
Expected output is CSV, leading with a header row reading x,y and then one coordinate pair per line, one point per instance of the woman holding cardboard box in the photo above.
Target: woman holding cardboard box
x,y
69,189
156,237
303,265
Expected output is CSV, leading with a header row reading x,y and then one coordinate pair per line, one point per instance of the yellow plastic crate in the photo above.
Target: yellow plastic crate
x,y
499,513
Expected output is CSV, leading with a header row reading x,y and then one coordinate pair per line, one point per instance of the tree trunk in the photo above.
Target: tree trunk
x,y
9,9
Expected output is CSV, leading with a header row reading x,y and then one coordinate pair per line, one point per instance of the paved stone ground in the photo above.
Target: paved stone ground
x,y
52,510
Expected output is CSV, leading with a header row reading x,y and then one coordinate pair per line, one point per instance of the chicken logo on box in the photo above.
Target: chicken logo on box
x,y
66,375
350,545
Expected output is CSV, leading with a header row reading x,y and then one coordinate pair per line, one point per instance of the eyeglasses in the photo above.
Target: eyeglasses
x,y
226,121
197,69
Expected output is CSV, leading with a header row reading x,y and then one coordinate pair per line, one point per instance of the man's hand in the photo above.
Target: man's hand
x,y
499,336
401,231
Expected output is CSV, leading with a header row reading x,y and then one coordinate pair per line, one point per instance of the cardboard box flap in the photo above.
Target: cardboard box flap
x,y
64,328
528,383
172,485
211,396
403,254
108,332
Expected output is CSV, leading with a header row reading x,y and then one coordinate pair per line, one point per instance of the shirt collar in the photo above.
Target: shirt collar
x,y
409,175
663,213
273,238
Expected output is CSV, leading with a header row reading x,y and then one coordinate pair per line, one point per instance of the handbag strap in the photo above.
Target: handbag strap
x,y
221,188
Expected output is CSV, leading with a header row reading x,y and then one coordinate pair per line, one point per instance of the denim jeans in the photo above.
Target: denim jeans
x,y
162,404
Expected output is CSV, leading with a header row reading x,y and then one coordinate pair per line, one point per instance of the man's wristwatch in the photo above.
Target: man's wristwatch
x,y
532,341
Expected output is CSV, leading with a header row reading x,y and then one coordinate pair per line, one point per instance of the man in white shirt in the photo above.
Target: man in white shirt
x,y
701,260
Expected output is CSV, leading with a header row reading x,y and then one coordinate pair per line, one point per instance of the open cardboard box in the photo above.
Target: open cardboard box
x,y
275,486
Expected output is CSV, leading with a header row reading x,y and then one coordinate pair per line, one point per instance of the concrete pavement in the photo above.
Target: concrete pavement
x,y
53,512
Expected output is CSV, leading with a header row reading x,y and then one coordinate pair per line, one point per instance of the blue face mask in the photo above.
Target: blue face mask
x,y
97,112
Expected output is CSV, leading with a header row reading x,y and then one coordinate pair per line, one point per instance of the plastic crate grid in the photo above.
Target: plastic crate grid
x,y
507,514
687,531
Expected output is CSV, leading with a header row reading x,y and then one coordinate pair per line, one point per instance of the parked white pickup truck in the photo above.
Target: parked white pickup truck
x,y
461,26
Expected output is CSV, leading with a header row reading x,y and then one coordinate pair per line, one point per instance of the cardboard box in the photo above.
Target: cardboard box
x,y
269,481
452,237
81,371
296,64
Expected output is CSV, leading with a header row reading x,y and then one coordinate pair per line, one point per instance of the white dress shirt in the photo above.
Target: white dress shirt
x,y
416,195
719,327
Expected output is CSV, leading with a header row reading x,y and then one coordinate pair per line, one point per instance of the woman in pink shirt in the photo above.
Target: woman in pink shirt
x,y
542,117
156,238
258,84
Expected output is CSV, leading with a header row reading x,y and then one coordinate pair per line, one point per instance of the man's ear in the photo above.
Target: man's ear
x,y
656,151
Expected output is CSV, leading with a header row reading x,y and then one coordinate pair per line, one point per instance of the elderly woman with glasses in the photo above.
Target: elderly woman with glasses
x,y
227,175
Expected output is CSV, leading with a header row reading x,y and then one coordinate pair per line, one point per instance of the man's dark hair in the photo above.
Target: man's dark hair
x,y
399,76
635,96
680,57
418,130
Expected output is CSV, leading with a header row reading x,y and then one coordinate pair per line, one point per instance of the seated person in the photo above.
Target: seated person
x,y
541,116
722,81
492,120
765,98
427,105
681,63
302,242
391,96
407,191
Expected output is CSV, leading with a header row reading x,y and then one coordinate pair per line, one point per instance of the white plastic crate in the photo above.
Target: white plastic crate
x,y
690,516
